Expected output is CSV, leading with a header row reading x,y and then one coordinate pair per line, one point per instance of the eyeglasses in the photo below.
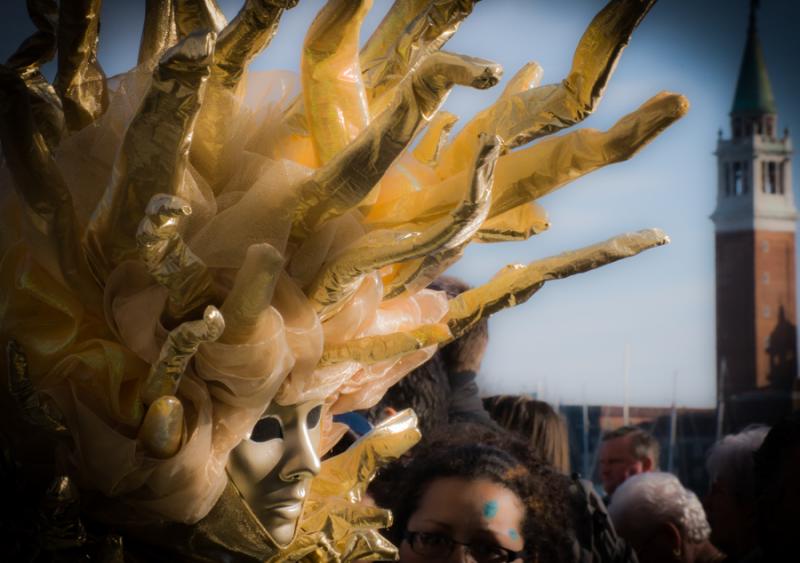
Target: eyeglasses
x,y
438,547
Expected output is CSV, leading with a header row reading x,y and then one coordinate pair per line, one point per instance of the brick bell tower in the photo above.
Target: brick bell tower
x,y
755,223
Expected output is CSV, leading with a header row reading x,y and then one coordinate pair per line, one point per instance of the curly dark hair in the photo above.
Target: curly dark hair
x,y
425,389
470,451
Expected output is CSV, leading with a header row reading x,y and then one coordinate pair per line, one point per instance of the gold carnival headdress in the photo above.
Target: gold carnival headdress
x,y
185,243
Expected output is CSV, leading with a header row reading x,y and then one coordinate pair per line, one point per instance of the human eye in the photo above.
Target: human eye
x,y
312,419
489,553
266,429
430,539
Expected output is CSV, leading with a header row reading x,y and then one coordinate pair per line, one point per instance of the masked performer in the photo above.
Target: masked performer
x,y
201,267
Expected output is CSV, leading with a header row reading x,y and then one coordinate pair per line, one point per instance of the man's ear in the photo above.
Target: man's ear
x,y
668,540
647,464
387,412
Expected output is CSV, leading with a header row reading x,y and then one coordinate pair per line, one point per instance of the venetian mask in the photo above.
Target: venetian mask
x,y
274,466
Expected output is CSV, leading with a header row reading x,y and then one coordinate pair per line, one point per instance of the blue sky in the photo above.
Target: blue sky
x,y
569,341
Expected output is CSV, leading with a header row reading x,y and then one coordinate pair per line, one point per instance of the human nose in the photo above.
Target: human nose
x,y
461,554
300,456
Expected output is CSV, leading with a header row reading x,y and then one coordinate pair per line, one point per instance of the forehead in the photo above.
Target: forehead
x,y
620,446
466,506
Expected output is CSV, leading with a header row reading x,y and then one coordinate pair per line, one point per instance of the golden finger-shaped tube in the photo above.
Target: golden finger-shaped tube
x,y
193,16
533,172
41,186
339,507
599,49
162,428
340,278
170,261
33,409
378,50
252,293
333,94
351,471
153,155
529,76
40,47
341,184
46,109
428,148
414,275
58,517
79,79
178,349
369,545
411,31
530,114
158,32
373,349
244,37
515,284
519,223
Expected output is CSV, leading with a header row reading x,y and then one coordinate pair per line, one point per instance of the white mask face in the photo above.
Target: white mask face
x,y
273,468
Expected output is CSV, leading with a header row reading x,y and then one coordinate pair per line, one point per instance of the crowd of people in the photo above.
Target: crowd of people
x,y
491,482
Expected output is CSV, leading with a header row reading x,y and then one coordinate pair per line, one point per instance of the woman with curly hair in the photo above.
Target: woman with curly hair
x,y
472,493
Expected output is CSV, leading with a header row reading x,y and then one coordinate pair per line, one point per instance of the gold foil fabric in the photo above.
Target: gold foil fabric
x,y
158,31
153,156
339,279
372,349
169,260
517,283
192,16
333,93
247,35
411,31
342,183
80,82
176,353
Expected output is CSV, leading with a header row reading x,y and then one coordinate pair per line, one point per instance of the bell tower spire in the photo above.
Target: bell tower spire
x,y
754,109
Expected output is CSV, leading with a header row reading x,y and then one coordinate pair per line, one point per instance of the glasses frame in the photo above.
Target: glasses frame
x,y
410,536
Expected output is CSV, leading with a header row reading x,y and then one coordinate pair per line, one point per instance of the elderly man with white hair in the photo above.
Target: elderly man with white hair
x,y
730,502
663,521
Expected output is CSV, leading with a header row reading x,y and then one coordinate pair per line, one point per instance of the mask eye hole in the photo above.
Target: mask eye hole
x,y
312,419
266,429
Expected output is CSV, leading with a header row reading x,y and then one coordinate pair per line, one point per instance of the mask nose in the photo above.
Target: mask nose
x,y
301,459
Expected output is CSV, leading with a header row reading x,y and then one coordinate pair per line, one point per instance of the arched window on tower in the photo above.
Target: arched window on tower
x,y
772,177
738,179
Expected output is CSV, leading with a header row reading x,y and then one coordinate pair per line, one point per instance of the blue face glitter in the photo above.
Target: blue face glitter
x,y
513,534
490,509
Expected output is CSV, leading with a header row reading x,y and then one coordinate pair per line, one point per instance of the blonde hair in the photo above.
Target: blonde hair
x,y
537,422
